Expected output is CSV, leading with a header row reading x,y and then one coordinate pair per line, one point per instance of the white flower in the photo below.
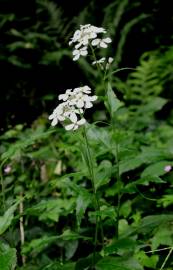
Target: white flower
x,y
65,96
103,43
78,52
84,101
71,112
75,124
100,61
84,89
57,115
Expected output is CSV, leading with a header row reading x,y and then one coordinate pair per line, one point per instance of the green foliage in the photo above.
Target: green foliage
x,y
6,219
116,263
8,257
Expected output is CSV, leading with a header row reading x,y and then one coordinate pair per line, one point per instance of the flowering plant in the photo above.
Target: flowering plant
x,y
75,101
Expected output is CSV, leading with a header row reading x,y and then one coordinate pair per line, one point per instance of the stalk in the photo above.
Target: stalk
x,y
119,193
96,200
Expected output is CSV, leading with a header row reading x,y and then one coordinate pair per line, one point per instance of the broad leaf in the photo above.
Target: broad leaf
x,y
156,169
113,103
8,257
6,219
118,263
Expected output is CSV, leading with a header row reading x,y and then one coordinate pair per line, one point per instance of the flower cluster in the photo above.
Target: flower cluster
x,y
71,110
85,36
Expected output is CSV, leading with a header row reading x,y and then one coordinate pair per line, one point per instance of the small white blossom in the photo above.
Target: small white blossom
x,y
103,43
84,89
78,52
84,101
57,115
100,61
75,124
65,96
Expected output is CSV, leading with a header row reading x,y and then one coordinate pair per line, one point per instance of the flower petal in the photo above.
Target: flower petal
x,y
69,127
103,44
107,40
73,117
81,121
80,103
54,122
76,57
95,42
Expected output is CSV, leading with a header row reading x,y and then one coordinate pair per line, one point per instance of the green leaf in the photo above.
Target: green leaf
x,y
52,209
112,103
86,263
70,249
8,257
103,173
129,164
82,202
163,236
24,143
120,246
156,169
153,106
6,219
126,209
99,136
118,263
37,245
166,200
147,261
150,222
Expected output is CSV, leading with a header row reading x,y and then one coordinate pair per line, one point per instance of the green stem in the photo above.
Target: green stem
x,y
2,185
94,56
119,192
167,257
97,205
